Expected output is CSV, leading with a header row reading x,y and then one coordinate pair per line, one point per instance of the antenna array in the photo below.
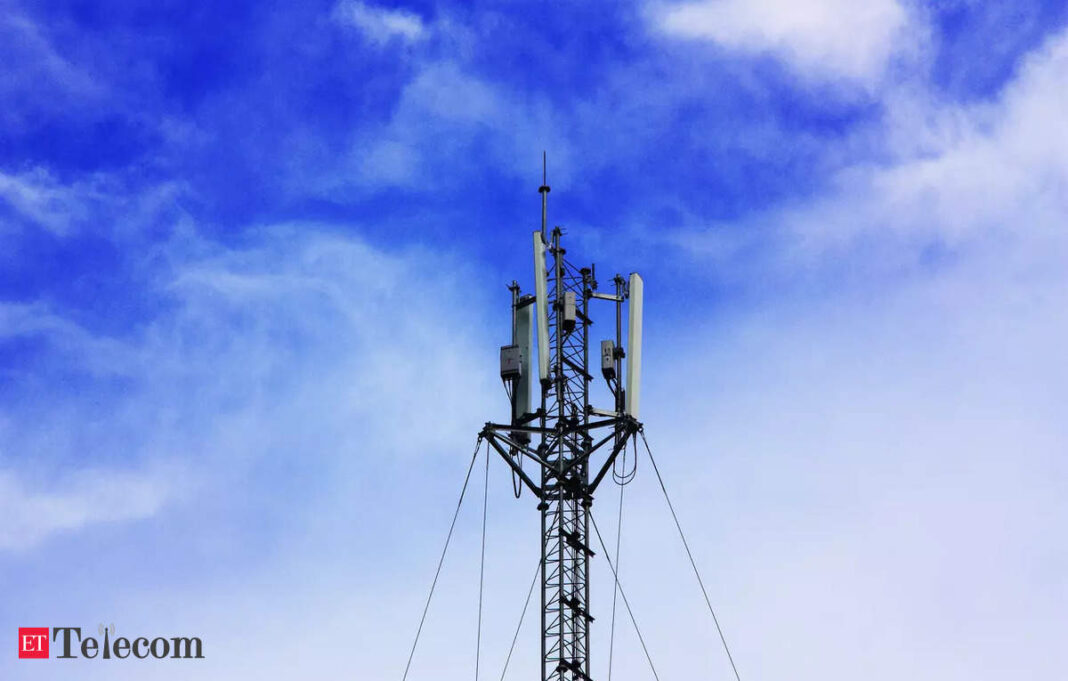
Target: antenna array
x,y
573,443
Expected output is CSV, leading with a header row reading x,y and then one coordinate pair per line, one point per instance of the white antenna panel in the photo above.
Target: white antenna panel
x,y
524,317
634,345
541,303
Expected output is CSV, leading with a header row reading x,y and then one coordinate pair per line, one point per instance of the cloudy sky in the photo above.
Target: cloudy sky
x,y
253,260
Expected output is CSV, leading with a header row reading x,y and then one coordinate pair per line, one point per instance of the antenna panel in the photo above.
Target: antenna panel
x,y
524,318
634,345
541,303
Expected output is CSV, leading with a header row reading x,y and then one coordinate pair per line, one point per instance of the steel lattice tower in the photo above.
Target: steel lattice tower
x,y
565,432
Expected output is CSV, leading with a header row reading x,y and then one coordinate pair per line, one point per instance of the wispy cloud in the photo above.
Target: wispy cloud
x,y
31,514
38,198
45,82
956,180
381,25
821,38
886,407
308,341
444,110
35,198
886,410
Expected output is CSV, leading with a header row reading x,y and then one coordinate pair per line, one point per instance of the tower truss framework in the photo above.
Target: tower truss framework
x,y
572,444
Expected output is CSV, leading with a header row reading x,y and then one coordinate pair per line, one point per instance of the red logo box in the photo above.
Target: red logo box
x,y
33,642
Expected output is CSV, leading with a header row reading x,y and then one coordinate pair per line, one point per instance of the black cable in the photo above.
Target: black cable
x,y
517,483
441,560
522,616
693,563
623,477
622,593
482,565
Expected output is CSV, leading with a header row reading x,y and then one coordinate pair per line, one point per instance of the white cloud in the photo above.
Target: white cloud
x,y
379,24
972,180
33,47
43,201
96,355
305,341
321,397
45,83
441,115
881,429
990,168
442,108
88,497
862,477
37,198
825,38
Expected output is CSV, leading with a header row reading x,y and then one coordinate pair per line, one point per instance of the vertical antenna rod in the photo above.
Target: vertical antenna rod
x,y
544,191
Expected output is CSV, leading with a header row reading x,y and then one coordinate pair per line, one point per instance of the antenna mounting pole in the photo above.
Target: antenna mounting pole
x,y
544,191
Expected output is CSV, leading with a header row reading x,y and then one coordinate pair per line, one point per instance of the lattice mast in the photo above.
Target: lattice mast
x,y
565,436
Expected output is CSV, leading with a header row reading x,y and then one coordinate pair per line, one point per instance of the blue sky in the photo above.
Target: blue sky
x,y
252,271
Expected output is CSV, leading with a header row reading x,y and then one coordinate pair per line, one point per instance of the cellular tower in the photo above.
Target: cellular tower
x,y
561,447
557,444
